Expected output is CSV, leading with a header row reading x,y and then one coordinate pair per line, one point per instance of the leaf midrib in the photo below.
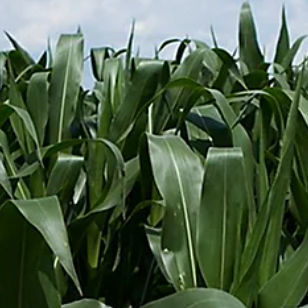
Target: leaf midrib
x,y
64,91
224,229
186,219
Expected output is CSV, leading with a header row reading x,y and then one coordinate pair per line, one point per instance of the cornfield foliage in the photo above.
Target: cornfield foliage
x,y
171,183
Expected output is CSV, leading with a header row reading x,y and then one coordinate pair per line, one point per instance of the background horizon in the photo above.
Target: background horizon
x,y
108,22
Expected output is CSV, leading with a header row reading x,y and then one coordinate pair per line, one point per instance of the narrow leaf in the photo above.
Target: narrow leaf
x,y
283,45
85,303
250,52
289,286
37,103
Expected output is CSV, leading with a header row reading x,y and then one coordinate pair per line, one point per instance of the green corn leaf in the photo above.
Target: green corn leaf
x,y
266,232
26,57
240,139
220,216
64,86
164,259
22,120
64,173
129,51
15,99
289,57
178,175
5,112
190,68
98,57
4,179
167,43
3,58
25,170
37,103
239,134
300,196
217,130
140,91
85,303
283,45
276,200
25,281
21,190
114,195
290,285
250,52
198,298
45,215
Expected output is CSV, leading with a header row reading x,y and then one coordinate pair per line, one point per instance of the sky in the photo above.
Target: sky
x,y
107,22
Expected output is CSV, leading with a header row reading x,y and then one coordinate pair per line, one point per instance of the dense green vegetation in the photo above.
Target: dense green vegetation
x,y
180,183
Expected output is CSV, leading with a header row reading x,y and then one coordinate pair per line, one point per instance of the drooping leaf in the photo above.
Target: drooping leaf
x,y
45,215
114,195
23,121
64,174
218,131
22,252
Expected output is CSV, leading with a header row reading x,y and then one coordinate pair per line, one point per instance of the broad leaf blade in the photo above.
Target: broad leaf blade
x,y
197,298
178,174
64,86
64,174
220,216
22,252
46,216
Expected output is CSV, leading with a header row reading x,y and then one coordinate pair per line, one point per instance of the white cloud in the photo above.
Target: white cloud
x,y
107,22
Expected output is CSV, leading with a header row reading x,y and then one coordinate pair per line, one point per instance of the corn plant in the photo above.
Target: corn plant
x,y
179,182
